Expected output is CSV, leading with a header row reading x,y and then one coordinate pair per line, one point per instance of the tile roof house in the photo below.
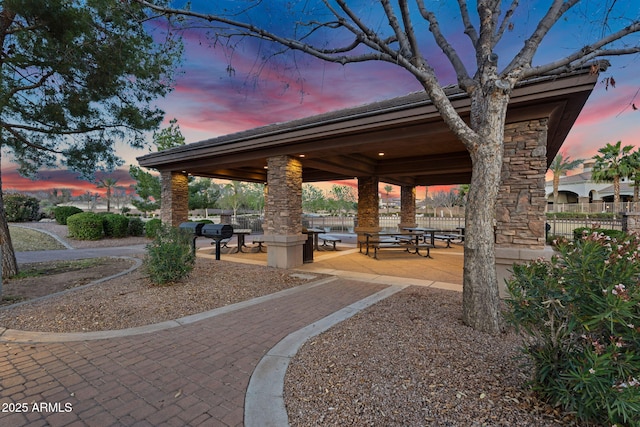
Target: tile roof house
x,y
579,188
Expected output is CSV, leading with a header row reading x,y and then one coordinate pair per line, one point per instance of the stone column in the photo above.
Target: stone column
x,y
264,210
368,206
631,222
174,208
407,207
283,213
520,209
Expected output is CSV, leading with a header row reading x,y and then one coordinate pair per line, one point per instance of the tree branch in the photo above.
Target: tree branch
x,y
404,48
416,57
250,30
35,85
461,72
587,53
25,141
525,56
469,29
506,22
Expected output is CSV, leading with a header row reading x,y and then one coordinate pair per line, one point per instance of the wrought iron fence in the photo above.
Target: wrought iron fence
x,y
564,227
346,224
594,207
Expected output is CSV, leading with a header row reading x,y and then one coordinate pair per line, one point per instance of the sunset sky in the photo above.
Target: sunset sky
x,y
209,100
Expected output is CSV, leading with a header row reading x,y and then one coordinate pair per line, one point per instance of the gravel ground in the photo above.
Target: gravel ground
x,y
406,361
409,361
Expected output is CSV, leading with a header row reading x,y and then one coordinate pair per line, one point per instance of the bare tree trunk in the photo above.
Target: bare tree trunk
x,y
481,299
9,263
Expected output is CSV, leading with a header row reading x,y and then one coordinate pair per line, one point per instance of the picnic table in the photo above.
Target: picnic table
x,y
434,234
408,241
240,233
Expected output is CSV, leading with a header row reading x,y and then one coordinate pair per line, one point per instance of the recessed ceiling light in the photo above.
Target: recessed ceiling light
x,y
381,154
301,155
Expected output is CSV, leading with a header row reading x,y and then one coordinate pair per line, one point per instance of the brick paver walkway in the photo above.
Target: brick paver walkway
x,y
193,375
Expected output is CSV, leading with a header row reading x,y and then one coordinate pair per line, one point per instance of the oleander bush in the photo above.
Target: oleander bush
x,y
115,225
21,208
85,226
61,213
135,227
580,318
169,257
152,227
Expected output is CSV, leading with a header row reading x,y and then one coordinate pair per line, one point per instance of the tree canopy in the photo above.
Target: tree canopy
x,y
77,76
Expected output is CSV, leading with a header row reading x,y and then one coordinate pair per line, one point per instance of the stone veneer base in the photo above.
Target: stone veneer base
x,y
285,251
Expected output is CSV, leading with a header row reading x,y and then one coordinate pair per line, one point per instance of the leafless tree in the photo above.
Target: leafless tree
x,y
444,199
343,32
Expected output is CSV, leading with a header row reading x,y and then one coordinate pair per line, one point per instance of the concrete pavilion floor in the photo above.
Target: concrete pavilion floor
x,y
443,270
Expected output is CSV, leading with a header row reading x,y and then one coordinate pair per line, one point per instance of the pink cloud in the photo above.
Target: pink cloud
x,y
48,180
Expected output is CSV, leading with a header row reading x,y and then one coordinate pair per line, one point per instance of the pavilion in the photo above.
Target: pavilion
x,y
401,141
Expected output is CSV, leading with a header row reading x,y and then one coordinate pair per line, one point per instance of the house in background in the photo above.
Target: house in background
x,y
579,188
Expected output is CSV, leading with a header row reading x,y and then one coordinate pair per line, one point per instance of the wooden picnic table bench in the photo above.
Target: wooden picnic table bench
x,y
448,238
328,238
406,241
259,240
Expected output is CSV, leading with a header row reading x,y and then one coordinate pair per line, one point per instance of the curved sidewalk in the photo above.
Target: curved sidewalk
x,y
194,373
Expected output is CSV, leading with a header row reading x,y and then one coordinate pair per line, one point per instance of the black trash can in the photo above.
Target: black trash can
x,y
307,249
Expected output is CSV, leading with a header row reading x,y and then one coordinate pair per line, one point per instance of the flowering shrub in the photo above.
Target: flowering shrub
x,y
580,317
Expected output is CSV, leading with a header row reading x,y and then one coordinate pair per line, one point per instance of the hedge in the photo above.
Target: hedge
x,y
61,213
85,226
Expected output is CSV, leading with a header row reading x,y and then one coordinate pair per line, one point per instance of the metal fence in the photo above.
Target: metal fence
x,y
387,223
594,207
346,224
343,224
564,227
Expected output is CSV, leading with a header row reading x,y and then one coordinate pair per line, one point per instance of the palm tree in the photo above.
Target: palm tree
x,y
387,189
634,164
560,165
613,165
109,184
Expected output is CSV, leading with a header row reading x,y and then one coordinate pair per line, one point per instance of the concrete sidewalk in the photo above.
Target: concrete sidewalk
x,y
196,373
71,254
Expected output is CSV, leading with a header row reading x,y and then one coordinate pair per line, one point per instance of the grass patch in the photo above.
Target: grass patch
x,y
25,239
10,299
55,267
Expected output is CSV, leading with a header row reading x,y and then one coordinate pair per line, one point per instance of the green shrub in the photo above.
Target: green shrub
x,y
61,213
580,316
135,227
115,225
85,226
21,208
169,257
152,227
581,215
581,232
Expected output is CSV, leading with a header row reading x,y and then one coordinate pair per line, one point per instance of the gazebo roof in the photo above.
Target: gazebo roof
x,y
417,146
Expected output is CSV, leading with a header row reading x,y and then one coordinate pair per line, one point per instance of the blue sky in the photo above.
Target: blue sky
x,y
209,100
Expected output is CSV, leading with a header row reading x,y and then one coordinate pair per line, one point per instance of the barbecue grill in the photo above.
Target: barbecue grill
x,y
216,232
195,228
